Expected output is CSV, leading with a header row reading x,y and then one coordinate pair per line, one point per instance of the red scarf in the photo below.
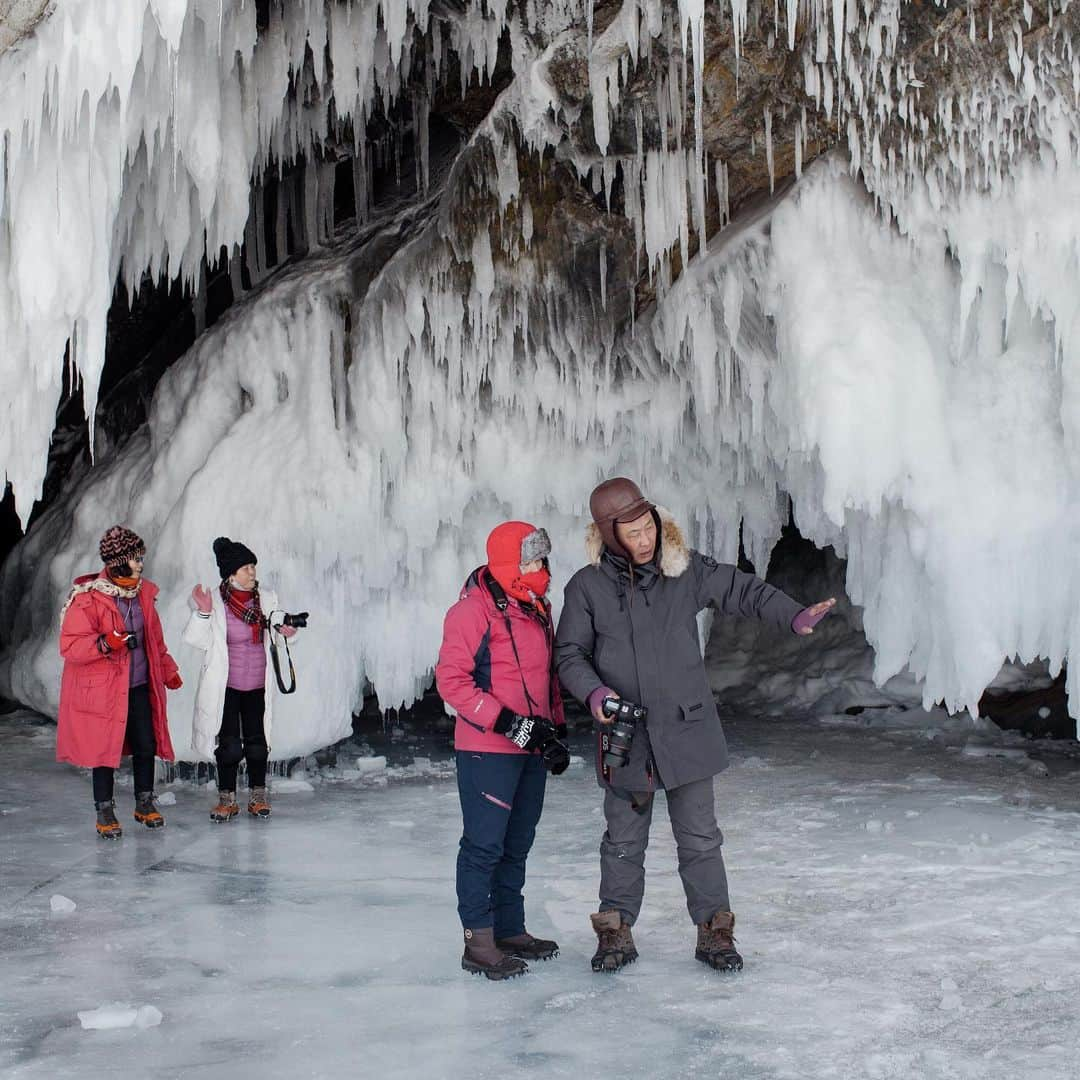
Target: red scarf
x,y
236,600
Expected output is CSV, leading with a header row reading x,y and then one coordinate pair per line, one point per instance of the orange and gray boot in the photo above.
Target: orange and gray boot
x,y
615,945
146,813
483,957
226,808
716,943
108,828
259,803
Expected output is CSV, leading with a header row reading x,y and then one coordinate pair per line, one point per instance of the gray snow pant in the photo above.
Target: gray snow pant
x,y
698,841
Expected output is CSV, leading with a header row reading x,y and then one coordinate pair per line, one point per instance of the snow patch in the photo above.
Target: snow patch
x,y
110,1017
291,786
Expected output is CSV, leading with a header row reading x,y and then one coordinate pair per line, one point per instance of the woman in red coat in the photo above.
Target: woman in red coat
x,y
496,670
116,669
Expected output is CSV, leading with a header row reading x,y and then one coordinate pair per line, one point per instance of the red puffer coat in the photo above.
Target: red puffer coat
x,y
478,674
90,729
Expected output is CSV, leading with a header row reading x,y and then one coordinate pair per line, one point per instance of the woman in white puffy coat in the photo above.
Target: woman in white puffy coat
x,y
233,705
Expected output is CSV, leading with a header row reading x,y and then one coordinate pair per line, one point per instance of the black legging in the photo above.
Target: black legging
x,y
242,736
140,738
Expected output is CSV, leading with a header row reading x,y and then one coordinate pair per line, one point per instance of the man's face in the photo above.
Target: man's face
x,y
638,538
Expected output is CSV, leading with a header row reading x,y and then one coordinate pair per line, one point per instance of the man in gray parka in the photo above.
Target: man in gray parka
x,y
629,630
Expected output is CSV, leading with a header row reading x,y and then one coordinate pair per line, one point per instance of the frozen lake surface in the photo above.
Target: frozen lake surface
x,y
905,909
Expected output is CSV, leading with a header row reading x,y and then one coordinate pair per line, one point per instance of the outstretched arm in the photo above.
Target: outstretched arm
x,y
737,593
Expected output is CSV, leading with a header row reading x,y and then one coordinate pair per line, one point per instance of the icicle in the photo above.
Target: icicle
x,y
769,150
603,275
838,11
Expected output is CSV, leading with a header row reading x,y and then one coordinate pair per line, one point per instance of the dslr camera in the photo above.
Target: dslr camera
x,y
618,740
299,620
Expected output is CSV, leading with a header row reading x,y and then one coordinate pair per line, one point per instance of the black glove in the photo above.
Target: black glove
x,y
529,733
556,757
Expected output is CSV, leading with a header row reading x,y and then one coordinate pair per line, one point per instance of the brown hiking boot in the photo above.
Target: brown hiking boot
x,y
146,813
615,949
108,828
259,803
526,947
483,957
226,808
716,943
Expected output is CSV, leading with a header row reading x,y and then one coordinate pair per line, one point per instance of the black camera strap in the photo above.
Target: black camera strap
x,y
276,660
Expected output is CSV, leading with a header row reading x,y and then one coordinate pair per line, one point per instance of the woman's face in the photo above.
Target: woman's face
x,y
136,564
532,567
244,578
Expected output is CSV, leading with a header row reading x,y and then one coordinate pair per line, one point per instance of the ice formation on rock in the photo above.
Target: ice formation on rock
x,y
902,364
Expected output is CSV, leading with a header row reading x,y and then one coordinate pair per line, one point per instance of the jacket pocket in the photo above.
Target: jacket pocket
x,y
93,693
693,711
93,678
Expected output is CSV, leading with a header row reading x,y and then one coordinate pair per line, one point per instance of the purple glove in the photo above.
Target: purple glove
x,y
809,617
596,698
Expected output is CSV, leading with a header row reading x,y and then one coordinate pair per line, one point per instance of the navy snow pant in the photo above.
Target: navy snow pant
x,y
502,796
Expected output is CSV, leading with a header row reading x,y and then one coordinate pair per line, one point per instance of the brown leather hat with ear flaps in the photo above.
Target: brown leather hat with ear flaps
x,y
617,499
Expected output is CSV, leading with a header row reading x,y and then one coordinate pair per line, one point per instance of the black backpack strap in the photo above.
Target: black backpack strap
x,y
498,594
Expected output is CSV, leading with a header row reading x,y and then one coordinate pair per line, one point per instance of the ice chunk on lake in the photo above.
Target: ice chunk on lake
x,y
117,1015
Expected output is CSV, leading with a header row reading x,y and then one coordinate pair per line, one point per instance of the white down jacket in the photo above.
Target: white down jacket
x,y
209,635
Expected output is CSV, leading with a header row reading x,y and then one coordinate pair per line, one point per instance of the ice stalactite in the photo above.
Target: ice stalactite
x,y
373,435
903,365
130,134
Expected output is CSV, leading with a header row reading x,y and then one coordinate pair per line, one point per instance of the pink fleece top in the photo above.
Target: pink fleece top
x,y
247,658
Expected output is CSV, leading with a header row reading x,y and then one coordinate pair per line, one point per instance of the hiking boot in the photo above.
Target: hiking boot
x,y
226,808
526,947
146,813
259,803
716,943
483,957
615,948
108,828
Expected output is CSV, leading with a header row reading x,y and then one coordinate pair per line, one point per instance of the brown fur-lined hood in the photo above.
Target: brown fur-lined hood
x,y
674,554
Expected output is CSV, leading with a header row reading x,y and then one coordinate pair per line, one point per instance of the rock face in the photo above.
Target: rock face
x,y
18,18
769,108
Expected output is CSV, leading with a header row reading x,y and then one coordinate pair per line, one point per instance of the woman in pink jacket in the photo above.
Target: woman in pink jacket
x,y
496,671
116,671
